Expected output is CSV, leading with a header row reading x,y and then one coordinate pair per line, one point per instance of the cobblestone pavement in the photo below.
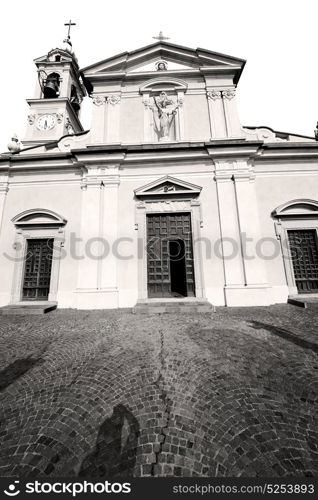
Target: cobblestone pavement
x,y
109,393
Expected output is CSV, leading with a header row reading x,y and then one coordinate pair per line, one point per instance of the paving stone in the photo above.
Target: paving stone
x,y
108,393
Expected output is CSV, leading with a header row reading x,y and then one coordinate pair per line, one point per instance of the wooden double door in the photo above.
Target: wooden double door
x,y
304,252
170,270
37,269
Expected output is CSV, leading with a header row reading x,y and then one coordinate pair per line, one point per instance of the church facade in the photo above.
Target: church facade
x,y
167,196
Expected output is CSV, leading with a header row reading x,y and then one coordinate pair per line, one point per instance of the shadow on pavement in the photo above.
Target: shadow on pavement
x,y
285,334
15,370
116,446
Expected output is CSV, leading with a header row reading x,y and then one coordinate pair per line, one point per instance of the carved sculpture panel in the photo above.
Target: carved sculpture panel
x,y
164,110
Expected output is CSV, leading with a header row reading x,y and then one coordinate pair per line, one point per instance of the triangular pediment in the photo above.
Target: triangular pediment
x,y
141,59
168,186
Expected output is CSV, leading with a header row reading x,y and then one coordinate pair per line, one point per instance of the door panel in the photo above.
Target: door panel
x,y
161,229
37,272
304,251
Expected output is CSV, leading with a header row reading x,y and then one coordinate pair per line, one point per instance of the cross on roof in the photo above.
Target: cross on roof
x,y
69,24
161,37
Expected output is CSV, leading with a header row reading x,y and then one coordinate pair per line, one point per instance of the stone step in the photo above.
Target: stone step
x,y
26,309
306,303
174,303
173,307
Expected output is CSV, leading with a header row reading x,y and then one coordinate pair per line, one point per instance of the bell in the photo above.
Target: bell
x,y
50,89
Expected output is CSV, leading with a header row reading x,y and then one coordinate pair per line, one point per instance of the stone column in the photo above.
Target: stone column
x,y
233,125
216,114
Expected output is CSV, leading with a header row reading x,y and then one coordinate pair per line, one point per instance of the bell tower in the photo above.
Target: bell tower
x,y
55,108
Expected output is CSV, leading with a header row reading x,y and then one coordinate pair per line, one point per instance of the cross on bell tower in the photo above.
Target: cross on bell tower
x,y
68,38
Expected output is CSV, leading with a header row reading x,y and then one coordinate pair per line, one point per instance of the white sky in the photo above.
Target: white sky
x,y
278,87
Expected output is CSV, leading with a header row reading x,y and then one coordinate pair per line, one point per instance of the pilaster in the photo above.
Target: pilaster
x,y
113,117
97,271
229,249
180,117
244,267
216,113
109,229
4,188
98,129
249,222
89,246
148,118
233,125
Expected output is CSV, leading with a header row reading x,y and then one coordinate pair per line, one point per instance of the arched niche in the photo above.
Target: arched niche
x,y
163,84
175,90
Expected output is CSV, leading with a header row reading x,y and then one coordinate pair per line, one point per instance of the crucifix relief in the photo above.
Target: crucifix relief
x,y
164,111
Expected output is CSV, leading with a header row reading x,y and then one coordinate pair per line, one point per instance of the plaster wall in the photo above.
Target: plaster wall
x,y
274,188
63,199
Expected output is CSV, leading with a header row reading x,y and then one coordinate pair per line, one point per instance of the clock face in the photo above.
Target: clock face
x,y
45,122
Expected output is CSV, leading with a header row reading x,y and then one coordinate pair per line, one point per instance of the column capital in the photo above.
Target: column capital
x,y
113,99
238,170
214,94
99,100
228,93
